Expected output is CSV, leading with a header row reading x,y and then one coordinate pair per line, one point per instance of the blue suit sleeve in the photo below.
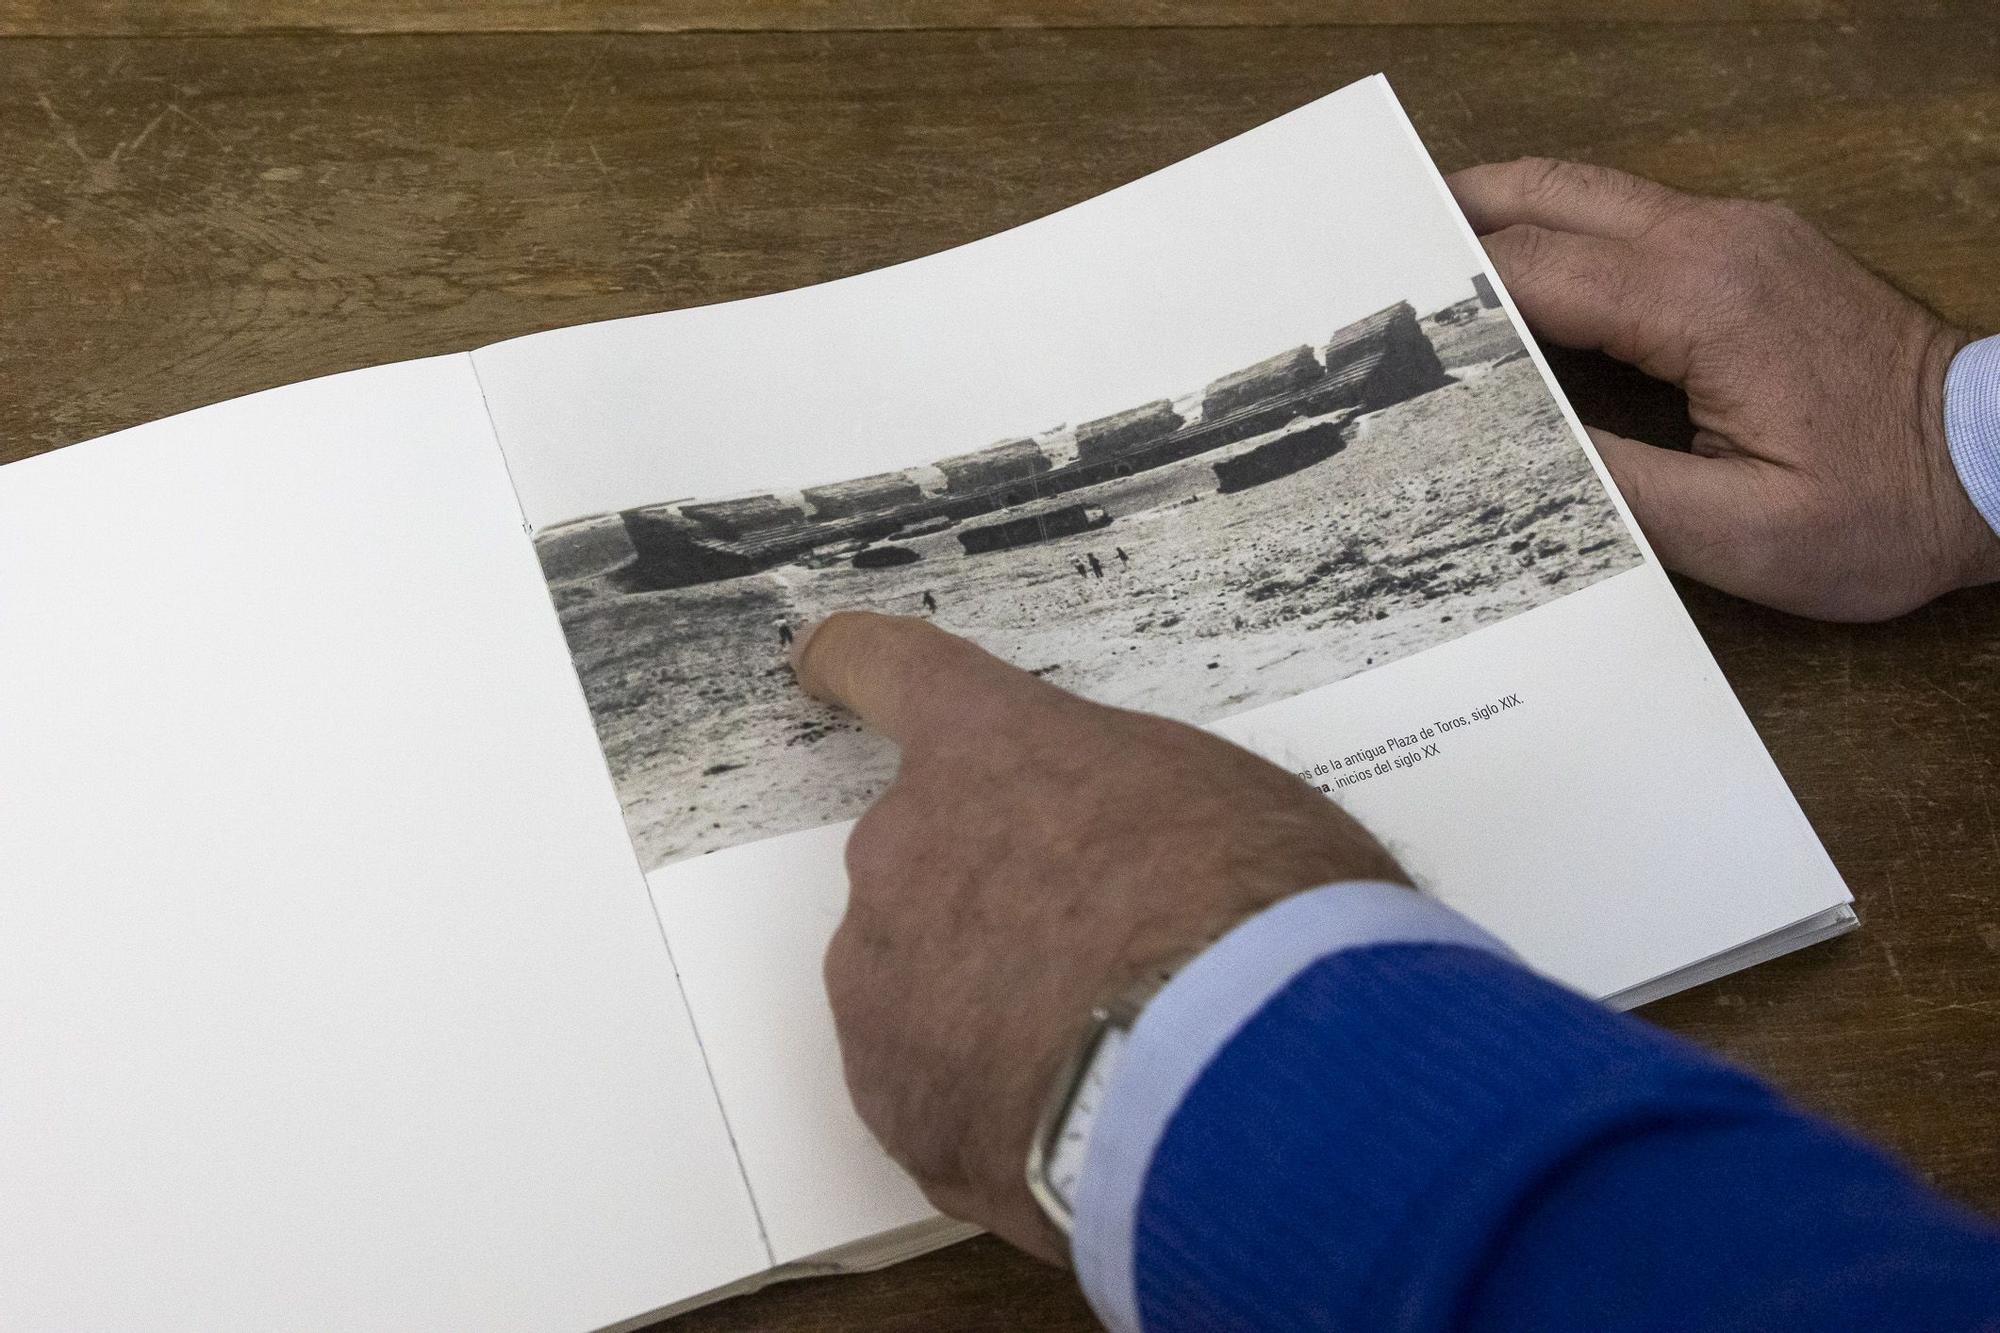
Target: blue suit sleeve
x,y
1422,1135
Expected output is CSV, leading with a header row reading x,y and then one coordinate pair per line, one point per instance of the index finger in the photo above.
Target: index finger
x,y
1562,196
905,677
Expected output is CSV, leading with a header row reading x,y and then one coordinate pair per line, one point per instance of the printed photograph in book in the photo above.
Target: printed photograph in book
x,y
1328,509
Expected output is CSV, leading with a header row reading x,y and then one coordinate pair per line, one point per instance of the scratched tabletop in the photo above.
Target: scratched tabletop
x,y
202,198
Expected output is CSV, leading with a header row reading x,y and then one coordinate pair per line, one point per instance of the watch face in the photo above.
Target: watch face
x,y
1064,1159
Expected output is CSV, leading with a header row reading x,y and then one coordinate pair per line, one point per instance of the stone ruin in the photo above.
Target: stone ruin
x,y
1062,521
1378,361
1273,376
1288,453
674,550
1001,464
1482,287
1108,436
1368,365
734,520
864,495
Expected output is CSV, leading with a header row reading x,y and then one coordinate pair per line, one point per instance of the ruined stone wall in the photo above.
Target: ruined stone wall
x,y
1380,360
845,499
1126,430
733,520
1364,337
1000,465
1280,457
674,552
1063,522
1410,364
1274,375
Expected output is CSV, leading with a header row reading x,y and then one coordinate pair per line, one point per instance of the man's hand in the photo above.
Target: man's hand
x,y
1035,853
1820,481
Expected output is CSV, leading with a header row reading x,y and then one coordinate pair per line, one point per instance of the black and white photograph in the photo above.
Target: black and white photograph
x,y
1332,507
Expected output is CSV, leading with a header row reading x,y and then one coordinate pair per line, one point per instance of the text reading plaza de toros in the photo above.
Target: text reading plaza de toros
x,y
1395,753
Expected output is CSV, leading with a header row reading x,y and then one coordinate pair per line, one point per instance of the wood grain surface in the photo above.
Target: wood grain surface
x,y
186,218
124,18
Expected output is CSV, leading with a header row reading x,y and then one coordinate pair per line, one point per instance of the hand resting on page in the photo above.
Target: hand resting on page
x,y
1820,481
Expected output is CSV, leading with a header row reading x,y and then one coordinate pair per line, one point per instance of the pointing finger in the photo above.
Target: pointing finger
x,y
906,678
1565,196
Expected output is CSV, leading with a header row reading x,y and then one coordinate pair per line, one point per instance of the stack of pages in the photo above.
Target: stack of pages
x,y
416,855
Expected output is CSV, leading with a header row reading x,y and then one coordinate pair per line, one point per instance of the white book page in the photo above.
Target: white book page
x,y
1125,447
330,992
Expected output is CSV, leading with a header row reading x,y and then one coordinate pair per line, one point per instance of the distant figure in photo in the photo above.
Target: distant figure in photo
x,y
1096,566
784,634
1080,570
930,602
1124,560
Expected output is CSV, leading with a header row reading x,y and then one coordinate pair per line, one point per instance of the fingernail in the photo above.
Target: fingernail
x,y
797,651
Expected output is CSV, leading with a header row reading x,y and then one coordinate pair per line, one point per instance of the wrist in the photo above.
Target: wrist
x,y
1026,1112
1090,920
1077,1094
1152,956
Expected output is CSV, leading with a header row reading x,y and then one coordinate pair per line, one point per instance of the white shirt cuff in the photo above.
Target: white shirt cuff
x,y
1972,424
1186,1026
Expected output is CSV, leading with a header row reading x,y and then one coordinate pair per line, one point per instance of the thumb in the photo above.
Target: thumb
x,y
908,679
1706,517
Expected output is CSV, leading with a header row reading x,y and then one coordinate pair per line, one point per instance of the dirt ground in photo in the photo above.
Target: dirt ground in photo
x,y
1453,510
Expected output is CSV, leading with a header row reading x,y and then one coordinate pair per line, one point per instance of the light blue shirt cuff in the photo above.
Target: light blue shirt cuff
x,y
1186,1026
1972,424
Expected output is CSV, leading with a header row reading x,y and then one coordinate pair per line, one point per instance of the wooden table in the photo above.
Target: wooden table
x,y
199,198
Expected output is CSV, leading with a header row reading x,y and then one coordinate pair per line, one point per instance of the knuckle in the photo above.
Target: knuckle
x,y
881,842
1776,215
1790,515
862,987
920,644
1548,179
1731,246
922,660
841,968
871,851
1520,250
880,1110
1757,221
1540,258
1809,514
891,642
1675,215
1554,180
945,1188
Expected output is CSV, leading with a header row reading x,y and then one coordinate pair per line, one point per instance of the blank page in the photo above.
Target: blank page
x,y
330,993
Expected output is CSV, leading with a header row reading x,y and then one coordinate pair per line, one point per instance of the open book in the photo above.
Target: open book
x,y
416,857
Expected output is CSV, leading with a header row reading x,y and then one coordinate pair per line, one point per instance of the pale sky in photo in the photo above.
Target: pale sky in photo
x,y
1272,239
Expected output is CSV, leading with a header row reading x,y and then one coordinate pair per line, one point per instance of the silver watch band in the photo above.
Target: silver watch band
x,y
1062,1135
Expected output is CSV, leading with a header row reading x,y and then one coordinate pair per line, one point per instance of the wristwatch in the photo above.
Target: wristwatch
x,y
1055,1156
